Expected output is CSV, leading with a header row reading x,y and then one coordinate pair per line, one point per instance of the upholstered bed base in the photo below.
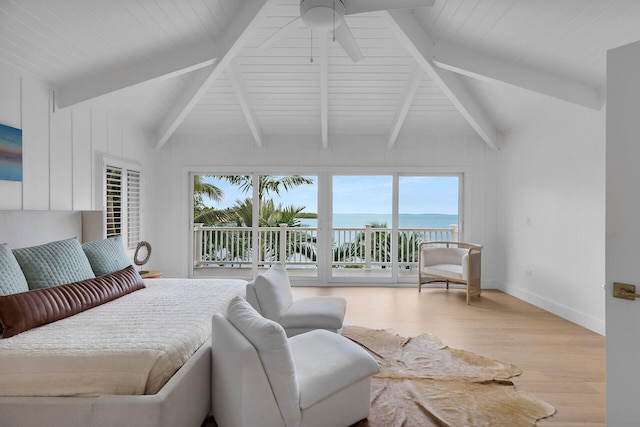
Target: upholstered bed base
x,y
184,401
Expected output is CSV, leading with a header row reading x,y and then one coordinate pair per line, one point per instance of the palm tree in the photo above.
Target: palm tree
x,y
202,188
266,184
202,213
272,216
242,213
381,248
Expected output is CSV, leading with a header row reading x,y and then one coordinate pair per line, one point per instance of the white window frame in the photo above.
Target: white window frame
x,y
130,222
325,209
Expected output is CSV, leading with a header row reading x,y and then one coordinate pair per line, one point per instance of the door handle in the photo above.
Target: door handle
x,y
624,291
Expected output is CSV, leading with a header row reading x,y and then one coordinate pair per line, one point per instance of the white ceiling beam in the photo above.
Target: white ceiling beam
x,y
157,67
233,72
495,70
405,103
420,46
324,88
363,6
242,25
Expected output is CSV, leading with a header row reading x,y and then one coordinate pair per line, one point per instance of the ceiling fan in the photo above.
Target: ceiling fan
x,y
327,16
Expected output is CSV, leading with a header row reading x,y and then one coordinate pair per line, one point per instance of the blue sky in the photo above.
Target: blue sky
x,y
366,194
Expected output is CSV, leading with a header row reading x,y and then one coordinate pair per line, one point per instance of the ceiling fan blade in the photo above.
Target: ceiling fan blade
x,y
281,33
361,6
344,36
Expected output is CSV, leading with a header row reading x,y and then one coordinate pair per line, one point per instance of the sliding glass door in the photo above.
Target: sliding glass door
x,y
243,224
428,210
287,224
329,228
361,226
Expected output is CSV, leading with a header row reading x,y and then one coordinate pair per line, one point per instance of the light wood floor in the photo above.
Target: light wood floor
x,y
562,363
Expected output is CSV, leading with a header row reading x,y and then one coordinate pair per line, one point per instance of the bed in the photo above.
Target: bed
x,y
50,375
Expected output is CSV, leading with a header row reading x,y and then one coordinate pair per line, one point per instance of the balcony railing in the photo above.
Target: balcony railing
x,y
366,247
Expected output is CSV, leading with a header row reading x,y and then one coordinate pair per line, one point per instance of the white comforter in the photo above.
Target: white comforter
x,y
131,345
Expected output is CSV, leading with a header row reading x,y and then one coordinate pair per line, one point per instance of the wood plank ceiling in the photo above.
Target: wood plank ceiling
x,y
200,67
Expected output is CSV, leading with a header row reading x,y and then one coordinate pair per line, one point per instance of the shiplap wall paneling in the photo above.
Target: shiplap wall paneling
x,y
114,136
35,145
99,129
61,159
83,163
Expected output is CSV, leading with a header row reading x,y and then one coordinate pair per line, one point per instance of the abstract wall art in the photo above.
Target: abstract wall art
x,y
10,153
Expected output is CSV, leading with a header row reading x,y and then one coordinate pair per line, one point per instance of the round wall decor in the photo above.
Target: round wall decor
x,y
142,254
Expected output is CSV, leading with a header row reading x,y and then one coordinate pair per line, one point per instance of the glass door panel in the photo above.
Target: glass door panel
x,y
427,211
288,224
223,219
362,226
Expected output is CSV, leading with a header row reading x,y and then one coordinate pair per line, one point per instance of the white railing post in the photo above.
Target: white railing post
x,y
283,243
197,241
367,247
454,232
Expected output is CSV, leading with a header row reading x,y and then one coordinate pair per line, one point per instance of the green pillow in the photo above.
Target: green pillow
x,y
12,280
54,263
107,255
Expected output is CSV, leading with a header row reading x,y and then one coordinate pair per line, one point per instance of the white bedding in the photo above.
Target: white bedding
x,y
129,346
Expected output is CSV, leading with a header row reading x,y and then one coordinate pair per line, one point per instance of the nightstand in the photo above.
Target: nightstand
x,y
151,274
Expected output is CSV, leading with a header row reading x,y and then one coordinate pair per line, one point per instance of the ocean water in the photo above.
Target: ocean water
x,y
404,220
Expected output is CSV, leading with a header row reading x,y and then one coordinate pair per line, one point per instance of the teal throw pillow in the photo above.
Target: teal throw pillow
x,y
54,263
107,255
12,280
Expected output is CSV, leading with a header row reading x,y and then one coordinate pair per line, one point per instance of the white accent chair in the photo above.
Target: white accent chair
x,y
270,294
454,262
262,378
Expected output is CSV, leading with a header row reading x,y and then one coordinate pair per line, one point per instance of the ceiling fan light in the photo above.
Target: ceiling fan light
x,y
319,15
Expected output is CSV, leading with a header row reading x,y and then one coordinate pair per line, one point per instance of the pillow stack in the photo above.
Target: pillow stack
x,y
45,283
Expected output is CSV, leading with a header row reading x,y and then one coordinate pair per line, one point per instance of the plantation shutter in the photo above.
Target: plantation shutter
x,y
133,208
123,201
113,176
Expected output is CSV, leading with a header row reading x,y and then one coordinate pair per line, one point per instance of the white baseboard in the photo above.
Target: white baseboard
x,y
587,321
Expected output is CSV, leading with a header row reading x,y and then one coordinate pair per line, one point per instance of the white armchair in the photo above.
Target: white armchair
x,y
262,378
270,294
454,262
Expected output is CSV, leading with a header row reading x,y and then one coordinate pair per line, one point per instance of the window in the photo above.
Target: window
x,y
331,227
122,196
231,237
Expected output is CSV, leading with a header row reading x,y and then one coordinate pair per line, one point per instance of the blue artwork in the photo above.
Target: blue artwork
x,y
10,153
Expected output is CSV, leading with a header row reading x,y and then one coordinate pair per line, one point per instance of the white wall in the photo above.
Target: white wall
x,y
623,234
551,213
59,148
418,154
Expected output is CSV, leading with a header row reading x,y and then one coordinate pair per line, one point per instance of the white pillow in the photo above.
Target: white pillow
x,y
270,341
274,292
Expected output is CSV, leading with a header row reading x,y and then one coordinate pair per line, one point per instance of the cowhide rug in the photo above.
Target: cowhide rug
x,y
422,382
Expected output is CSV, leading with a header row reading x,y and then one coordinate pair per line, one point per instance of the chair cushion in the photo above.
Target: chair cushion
x,y
326,363
274,292
252,297
450,271
435,255
321,312
270,341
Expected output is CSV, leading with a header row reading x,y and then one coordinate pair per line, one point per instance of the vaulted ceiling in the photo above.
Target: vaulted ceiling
x,y
222,67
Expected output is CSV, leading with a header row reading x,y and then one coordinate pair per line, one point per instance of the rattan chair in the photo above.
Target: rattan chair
x,y
454,262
